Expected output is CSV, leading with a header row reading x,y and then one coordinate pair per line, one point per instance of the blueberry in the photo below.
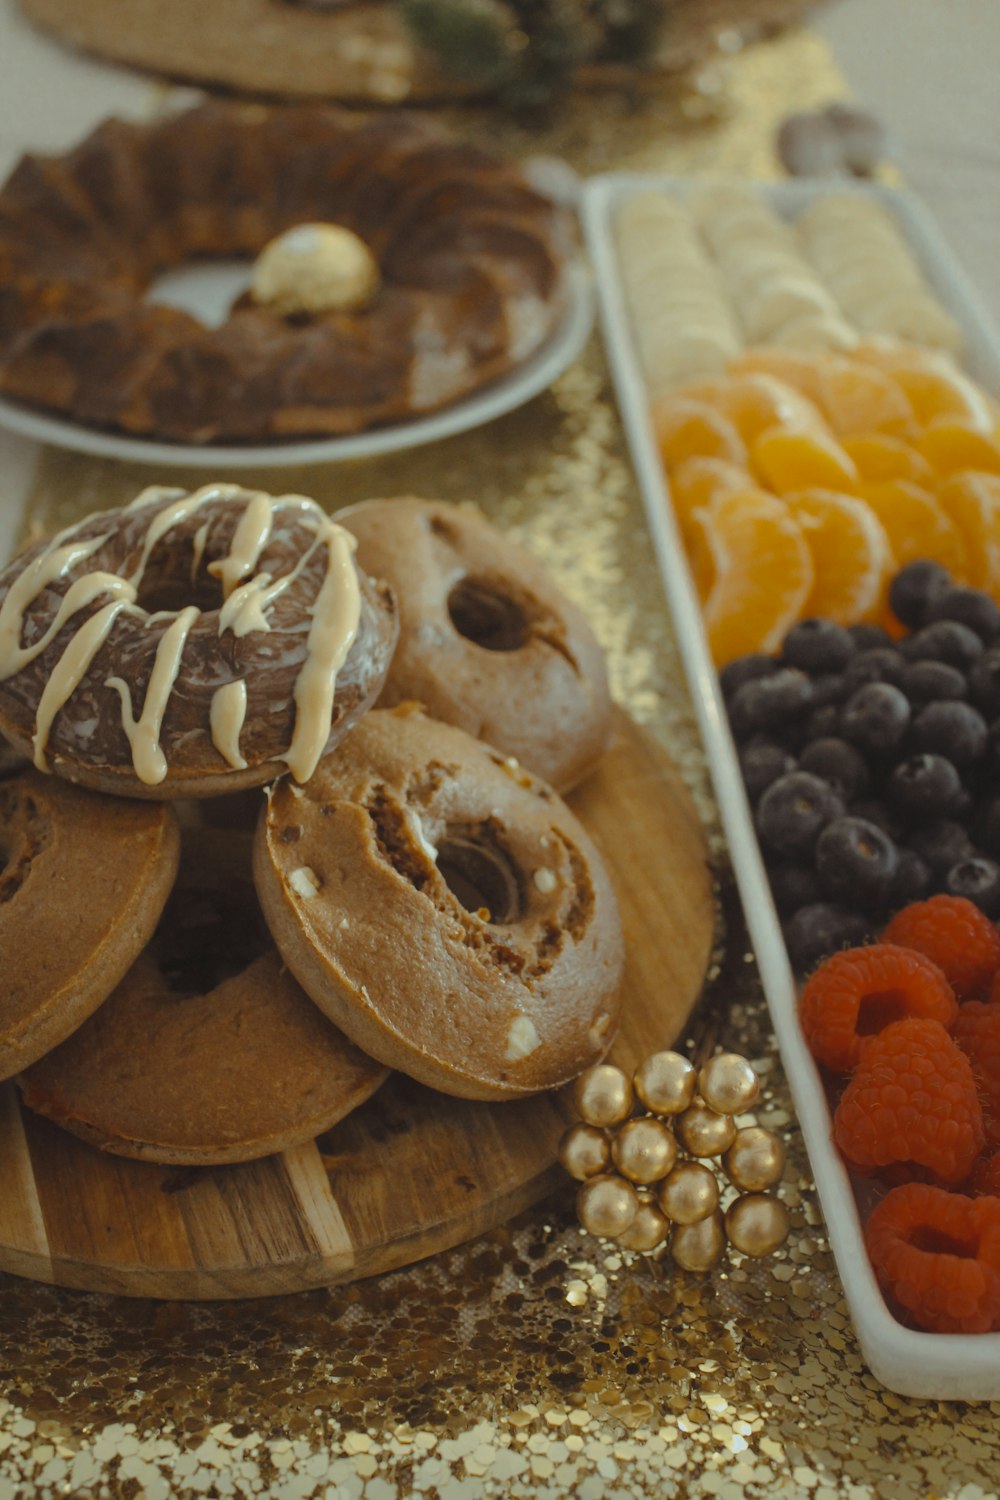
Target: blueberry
x,y
955,730
914,589
912,881
867,636
830,687
837,762
762,761
875,718
941,843
969,607
793,885
984,682
817,646
880,664
925,786
770,702
816,931
744,669
932,682
977,879
792,812
856,861
822,722
944,640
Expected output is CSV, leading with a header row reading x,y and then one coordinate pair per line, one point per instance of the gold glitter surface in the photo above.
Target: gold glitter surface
x,y
536,1361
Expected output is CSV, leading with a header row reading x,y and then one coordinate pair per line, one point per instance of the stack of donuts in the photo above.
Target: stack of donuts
x,y
280,813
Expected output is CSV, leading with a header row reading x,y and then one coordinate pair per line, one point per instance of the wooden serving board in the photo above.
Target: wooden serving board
x,y
411,1172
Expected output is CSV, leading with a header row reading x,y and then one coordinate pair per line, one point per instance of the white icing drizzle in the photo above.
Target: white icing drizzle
x,y
335,615
226,716
249,541
144,733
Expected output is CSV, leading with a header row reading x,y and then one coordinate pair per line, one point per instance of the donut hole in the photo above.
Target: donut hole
x,y
208,936
480,875
486,616
173,591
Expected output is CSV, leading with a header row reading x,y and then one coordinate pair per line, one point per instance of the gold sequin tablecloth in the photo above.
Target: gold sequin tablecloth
x,y
535,1361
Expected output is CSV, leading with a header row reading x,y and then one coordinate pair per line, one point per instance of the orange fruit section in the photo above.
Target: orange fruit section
x,y
917,525
932,384
879,455
799,370
949,445
860,398
852,558
697,481
692,429
973,503
787,460
755,401
763,574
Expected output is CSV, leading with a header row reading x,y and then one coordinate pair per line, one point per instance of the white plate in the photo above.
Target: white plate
x,y
532,377
945,1366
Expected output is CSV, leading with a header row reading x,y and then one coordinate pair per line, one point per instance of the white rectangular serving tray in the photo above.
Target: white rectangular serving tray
x,y
944,1366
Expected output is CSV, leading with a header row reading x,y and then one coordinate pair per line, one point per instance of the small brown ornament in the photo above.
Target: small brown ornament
x,y
603,1095
703,1131
607,1205
728,1083
757,1224
585,1151
755,1160
648,1229
689,1194
665,1083
644,1150
699,1247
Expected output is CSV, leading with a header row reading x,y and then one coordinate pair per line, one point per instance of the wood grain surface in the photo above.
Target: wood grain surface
x,y
410,1173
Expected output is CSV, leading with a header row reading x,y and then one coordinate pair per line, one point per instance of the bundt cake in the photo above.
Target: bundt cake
x,y
472,263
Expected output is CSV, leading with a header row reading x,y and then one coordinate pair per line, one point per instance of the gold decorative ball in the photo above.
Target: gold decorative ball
x,y
757,1224
665,1083
585,1151
607,1205
728,1083
703,1131
603,1095
755,1160
699,1247
689,1194
313,269
644,1150
648,1229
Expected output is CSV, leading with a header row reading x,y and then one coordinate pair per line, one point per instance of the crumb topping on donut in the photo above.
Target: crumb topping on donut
x,y
126,605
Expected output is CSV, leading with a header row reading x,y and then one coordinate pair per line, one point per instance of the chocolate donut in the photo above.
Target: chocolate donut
x,y
487,641
190,644
83,880
207,1051
444,908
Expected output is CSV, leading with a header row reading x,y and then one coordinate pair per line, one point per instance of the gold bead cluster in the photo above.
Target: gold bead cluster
x,y
644,1179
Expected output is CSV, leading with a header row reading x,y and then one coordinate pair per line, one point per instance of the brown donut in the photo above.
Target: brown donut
x,y
190,644
487,641
444,908
83,880
207,1051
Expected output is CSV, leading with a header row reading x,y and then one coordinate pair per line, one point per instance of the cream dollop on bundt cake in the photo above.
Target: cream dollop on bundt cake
x,y
472,273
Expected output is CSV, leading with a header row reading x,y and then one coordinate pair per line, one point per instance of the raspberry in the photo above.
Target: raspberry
x,y
986,1177
954,934
977,1032
911,1106
859,992
937,1254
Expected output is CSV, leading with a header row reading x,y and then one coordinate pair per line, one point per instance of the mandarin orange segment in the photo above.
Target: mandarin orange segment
x,y
931,382
688,429
799,370
973,503
697,481
763,573
754,401
950,445
861,398
699,550
879,456
851,555
787,461
917,525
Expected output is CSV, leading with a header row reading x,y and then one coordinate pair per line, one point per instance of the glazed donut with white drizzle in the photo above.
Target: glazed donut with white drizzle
x,y
191,643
